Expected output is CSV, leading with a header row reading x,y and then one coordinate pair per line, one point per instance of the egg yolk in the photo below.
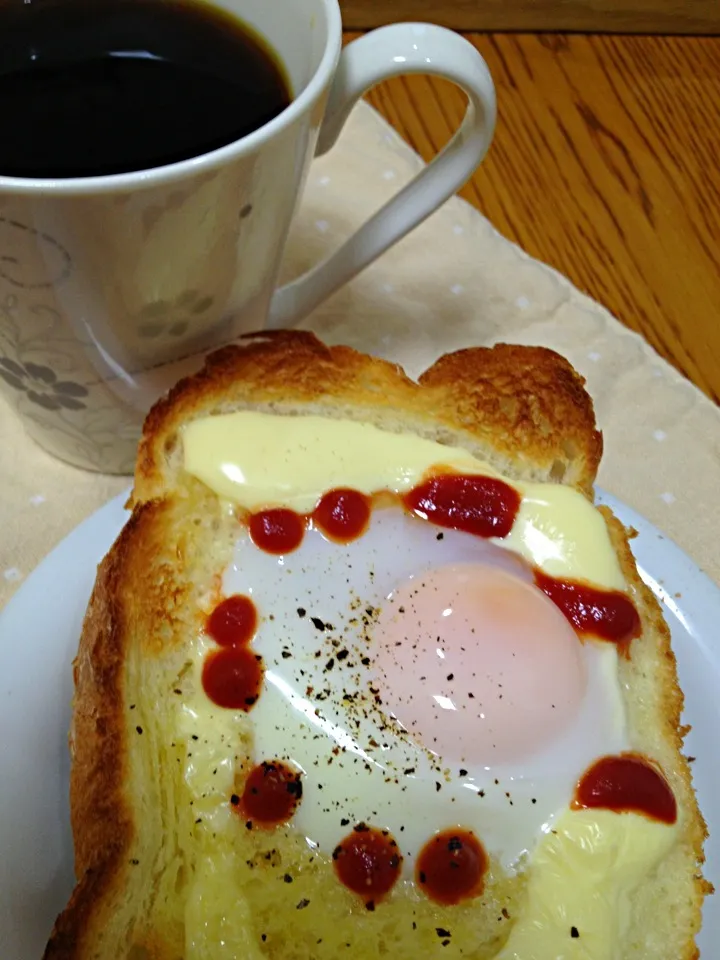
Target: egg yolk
x,y
477,665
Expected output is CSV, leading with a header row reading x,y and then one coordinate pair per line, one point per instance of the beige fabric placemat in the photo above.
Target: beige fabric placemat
x,y
452,283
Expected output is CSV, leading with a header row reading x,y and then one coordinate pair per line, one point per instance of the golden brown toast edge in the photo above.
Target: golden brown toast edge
x,y
525,405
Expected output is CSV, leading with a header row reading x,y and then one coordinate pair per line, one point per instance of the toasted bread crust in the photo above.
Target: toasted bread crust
x,y
667,718
100,815
524,406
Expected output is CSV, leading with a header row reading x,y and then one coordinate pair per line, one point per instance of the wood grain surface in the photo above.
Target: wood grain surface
x,y
600,16
606,164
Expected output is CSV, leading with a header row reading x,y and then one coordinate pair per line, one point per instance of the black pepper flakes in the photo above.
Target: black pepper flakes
x,y
574,933
235,800
442,932
318,624
287,878
370,905
301,611
139,729
302,904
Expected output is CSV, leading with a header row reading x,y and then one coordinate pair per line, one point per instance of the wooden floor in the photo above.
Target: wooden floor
x,y
606,164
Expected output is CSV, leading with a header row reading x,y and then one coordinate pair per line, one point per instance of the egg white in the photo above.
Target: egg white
x,y
320,708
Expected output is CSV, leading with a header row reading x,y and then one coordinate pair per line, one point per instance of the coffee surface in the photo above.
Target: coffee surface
x,y
96,87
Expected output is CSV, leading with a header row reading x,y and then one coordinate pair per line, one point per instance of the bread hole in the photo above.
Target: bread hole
x,y
570,449
508,407
180,878
182,673
557,471
138,952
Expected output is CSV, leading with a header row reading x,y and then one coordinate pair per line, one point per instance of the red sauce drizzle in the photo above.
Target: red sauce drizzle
x,y
607,614
342,515
451,867
626,783
277,531
483,506
233,622
232,677
271,795
368,862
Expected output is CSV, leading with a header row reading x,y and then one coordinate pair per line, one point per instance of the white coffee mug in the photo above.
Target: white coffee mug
x,y
112,287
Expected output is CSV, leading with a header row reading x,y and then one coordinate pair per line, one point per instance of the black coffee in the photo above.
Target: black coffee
x,y
92,87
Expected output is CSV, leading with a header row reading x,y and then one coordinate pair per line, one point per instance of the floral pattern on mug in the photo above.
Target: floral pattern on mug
x,y
173,318
41,385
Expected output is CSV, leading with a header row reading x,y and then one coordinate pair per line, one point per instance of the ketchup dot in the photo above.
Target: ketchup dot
x,y
342,515
233,622
232,677
277,531
483,506
627,783
272,793
368,862
606,614
451,867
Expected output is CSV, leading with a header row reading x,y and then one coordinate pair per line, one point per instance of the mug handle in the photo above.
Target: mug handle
x,y
402,48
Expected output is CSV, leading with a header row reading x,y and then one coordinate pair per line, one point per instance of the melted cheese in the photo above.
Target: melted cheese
x,y
582,874
217,923
259,460
580,885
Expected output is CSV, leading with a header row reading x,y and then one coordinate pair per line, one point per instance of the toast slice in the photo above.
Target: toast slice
x,y
148,886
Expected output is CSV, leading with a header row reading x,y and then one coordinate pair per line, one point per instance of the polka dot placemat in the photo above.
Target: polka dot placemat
x,y
452,283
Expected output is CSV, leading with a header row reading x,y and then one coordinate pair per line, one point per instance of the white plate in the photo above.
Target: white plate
x,y
39,630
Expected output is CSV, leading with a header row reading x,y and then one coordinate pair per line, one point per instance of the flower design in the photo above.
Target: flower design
x,y
41,385
173,318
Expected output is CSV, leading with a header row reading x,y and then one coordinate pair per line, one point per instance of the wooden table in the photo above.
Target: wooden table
x,y
606,165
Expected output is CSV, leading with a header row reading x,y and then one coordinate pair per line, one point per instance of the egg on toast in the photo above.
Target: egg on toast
x,y
367,673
